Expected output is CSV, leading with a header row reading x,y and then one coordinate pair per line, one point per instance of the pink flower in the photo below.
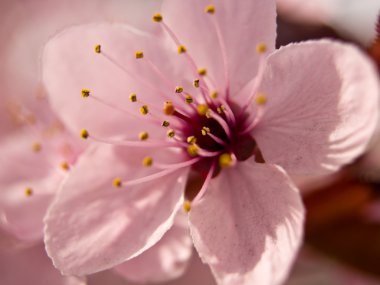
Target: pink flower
x,y
192,107
356,20
31,266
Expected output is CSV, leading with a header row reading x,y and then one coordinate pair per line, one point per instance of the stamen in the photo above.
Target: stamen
x,y
85,93
143,136
214,94
226,160
144,144
28,192
139,54
157,17
196,83
133,97
179,89
186,206
202,71
36,147
84,134
210,9
205,131
169,108
189,99
117,183
193,150
261,48
165,124
144,110
216,139
65,166
147,161
170,133
181,49
202,109
98,48
179,164
191,140
261,99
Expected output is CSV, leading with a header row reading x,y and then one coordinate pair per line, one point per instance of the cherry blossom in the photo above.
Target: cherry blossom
x,y
199,112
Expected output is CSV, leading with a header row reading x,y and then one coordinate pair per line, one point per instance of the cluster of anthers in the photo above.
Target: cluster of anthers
x,y
212,131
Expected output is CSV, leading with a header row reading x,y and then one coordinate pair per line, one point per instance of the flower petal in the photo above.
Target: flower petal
x,y
322,106
242,25
71,64
355,20
166,260
248,226
22,212
31,266
121,222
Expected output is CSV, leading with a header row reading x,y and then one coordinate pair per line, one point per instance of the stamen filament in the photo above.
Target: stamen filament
x,y
178,165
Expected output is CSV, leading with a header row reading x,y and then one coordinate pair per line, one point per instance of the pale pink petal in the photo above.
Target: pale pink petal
x,y
242,25
32,266
356,20
71,64
34,22
248,226
322,106
166,260
92,225
196,273
22,168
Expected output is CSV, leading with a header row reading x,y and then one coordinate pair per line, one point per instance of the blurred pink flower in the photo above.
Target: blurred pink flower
x,y
356,20
297,109
31,266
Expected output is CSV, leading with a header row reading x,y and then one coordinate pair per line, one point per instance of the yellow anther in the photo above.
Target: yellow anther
x,y
85,93
169,108
261,48
189,99
202,109
192,150
221,109
179,89
210,9
205,131
202,71
65,166
143,136
144,110
225,160
165,124
157,17
117,183
28,191
261,99
98,48
214,94
84,134
36,147
170,133
181,49
133,97
187,206
147,161
196,83
191,140
139,54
